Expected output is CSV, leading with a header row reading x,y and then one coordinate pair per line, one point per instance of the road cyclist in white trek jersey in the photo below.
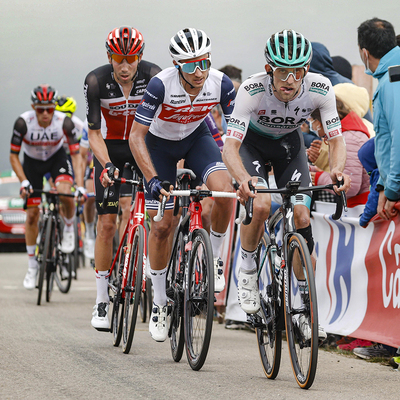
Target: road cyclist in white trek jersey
x,y
169,126
264,132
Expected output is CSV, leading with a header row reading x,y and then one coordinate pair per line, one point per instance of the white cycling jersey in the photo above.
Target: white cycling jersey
x,y
78,131
42,143
168,109
258,109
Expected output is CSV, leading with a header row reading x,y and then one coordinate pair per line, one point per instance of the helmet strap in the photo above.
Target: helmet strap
x,y
180,73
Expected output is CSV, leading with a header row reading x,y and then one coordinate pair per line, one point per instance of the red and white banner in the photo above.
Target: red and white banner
x,y
358,277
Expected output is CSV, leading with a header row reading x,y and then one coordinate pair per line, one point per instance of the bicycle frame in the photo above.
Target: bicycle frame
x,y
136,217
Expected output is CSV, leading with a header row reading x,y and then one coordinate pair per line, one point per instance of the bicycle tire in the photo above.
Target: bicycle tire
x,y
199,300
63,266
133,289
117,313
302,336
175,291
269,338
44,256
144,303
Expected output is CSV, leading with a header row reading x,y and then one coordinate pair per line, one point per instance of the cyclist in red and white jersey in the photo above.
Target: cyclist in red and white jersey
x,y
113,91
264,128
169,126
40,133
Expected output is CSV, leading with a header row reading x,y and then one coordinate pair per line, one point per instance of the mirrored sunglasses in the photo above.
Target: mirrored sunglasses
x,y
284,73
190,67
119,58
41,110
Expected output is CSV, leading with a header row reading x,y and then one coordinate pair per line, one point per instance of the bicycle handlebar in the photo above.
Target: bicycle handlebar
x,y
293,187
200,193
106,193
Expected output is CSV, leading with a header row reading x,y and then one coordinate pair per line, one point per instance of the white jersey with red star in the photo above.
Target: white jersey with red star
x,y
258,109
168,110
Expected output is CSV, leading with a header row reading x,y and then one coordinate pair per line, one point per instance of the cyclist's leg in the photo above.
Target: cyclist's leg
x,y
165,155
125,200
89,213
33,171
61,172
251,234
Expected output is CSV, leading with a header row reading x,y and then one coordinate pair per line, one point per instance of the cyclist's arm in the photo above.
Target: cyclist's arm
x,y
152,100
70,133
19,132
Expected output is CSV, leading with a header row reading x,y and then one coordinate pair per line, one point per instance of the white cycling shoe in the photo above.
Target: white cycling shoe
x,y
30,278
248,294
219,277
158,326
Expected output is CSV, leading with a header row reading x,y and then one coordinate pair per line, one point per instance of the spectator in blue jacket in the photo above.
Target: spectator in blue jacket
x,y
367,158
378,51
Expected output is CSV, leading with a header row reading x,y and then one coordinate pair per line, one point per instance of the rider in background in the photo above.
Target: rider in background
x,y
41,132
113,91
265,128
169,126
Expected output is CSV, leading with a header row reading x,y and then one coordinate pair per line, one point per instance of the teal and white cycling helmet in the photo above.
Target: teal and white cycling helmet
x,y
189,43
288,49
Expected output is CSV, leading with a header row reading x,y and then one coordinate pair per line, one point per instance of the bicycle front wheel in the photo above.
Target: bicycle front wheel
x,y
269,338
45,256
199,300
301,314
133,289
175,292
63,270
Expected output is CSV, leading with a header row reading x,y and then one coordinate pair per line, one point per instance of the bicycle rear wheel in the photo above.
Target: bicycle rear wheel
x,y
199,300
63,270
45,255
175,293
269,338
301,314
133,289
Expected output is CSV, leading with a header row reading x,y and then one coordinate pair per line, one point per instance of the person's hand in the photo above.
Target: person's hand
x,y
244,191
312,174
386,209
340,176
26,188
305,127
108,174
81,194
314,150
157,190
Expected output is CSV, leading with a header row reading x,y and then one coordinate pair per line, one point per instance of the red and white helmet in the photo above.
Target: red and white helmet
x,y
43,94
125,41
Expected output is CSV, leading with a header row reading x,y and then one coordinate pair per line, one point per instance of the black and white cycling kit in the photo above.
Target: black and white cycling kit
x,y
105,97
269,128
43,149
177,127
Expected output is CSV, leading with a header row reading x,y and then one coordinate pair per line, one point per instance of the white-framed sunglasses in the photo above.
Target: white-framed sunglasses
x,y
190,67
284,73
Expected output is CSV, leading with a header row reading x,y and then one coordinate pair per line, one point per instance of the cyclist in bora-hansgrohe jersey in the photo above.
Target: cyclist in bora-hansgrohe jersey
x,y
113,91
264,128
41,133
169,126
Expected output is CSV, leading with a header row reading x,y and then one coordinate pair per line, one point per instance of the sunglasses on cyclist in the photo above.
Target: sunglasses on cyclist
x,y
284,73
119,58
190,67
41,110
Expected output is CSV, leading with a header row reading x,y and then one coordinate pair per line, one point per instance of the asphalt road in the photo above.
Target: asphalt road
x,y
52,352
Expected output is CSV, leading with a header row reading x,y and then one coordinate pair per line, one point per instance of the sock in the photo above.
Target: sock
x,y
90,230
158,279
102,286
32,262
69,224
248,260
216,242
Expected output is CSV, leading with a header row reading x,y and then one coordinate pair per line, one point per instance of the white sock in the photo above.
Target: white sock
x,y
69,224
90,230
158,279
248,260
102,286
32,262
216,242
